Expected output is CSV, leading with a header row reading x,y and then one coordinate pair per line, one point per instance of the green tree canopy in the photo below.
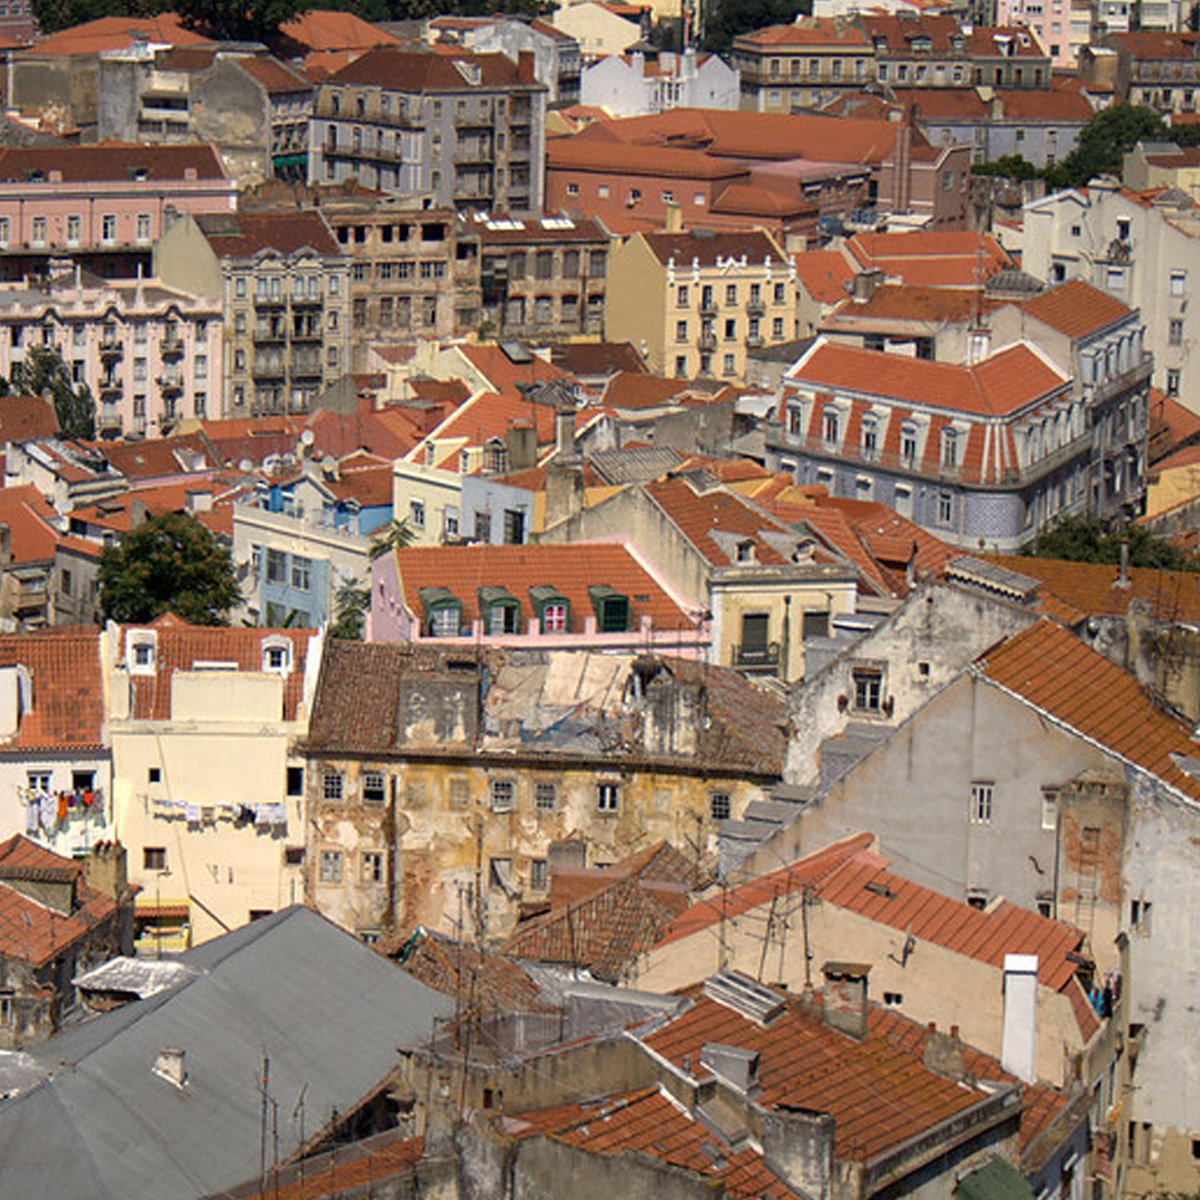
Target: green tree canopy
x,y
395,535
42,372
1007,166
728,18
168,563
1084,539
350,605
227,20
1103,142
53,15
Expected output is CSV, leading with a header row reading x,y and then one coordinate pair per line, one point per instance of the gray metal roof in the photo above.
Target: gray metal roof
x,y
327,1011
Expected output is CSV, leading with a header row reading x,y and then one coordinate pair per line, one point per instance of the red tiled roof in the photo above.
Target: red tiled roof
x,y
1058,674
160,458
570,568
504,375
708,250
116,513
68,703
807,31
824,274
31,523
1076,309
244,234
1157,44
940,258
107,162
26,418
367,482
118,33
181,646
576,154
349,1169
324,29
417,72
1001,384
31,932
490,415
650,1122
388,432
274,76
879,1092
908,302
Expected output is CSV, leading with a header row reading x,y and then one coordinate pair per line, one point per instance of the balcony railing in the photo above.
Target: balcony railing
x,y
757,657
170,383
171,347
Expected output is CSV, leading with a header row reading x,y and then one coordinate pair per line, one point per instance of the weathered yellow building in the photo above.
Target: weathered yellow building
x,y
443,785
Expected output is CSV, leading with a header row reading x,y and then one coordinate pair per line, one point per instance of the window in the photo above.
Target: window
x,y
829,425
1139,916
374,787
870,438
295,781
554,618
893,999
372,866
945,508
276,566
301,573
1172,383
331,785
154,775
682,295
539,874
545,795
1049,807
719,807
1175,332
608,797
1178,283
460,793
416,513
143,227
504,795
949,449
108,229
154,858
981,803
331,866
681,331
728,366
38,781
731,295
868,689
276,658
908,445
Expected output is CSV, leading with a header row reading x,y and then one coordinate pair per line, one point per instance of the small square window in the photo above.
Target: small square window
x,y
868,690
293,856
331,866
504,795
331,785
295,781
460,793
982,796
154,858
545,795
372,866
374,787
719,807
154,775
608,797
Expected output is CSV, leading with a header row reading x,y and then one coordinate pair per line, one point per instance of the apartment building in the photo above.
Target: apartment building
x,y
631,85
812,62
283,284
102,205
542,278
150,354
252,108
464,129
1157,68
693,303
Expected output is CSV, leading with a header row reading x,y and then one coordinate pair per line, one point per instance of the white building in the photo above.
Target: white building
x,y
630,85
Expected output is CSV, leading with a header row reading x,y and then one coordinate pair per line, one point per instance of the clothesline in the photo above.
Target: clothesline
x,y
46,810
261,815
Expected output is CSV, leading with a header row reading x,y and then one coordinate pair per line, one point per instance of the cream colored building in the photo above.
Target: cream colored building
x,y
205,796
694,302
597,29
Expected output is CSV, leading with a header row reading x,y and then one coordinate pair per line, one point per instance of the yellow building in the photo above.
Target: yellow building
x,y
205,797
1162,166
443,786
694,302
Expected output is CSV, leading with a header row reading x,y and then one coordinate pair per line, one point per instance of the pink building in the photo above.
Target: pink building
x,y
103,204
580,596
150,354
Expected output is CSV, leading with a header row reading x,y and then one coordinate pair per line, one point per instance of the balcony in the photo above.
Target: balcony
x,y
757,658
169,384
754,341
109,387
268,369
708,308
171,346
707,341
111,347
270,333
756,308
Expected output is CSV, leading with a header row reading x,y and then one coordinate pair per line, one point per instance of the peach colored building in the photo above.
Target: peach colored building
x,y
149,354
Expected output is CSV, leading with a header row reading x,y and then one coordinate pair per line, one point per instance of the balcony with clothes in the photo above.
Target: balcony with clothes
x,y
69,820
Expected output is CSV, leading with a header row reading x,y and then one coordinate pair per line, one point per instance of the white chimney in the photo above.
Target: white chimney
x,y
1018,1047
169,1065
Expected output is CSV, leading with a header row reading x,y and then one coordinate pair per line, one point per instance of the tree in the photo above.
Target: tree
x,y
169,563
1103,142
728,18
60,14
1007,166
350,605
227,20
1085,539
42,372
395,535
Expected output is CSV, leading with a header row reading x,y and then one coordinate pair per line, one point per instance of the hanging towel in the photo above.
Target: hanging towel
x,y
32,814
49,808
192,812
62,806
262,814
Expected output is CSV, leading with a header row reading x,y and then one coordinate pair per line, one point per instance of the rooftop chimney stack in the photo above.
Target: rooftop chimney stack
x,y
564,434
1018,1046
845,997
170,1065
1123,572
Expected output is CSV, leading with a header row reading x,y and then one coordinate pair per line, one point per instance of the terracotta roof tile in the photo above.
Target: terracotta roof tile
x,y
68,704
26,418
118,33
824,274
709,250
111,161
1055,672
420,72
274,76
31,521
570,568
244,234
324,29
808,31
1077,309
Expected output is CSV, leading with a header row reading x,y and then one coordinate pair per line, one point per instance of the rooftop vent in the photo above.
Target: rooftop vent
x,y
744,996
169,1065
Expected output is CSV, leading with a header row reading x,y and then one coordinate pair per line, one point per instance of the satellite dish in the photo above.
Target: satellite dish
x,y
307,438
329,464
245,465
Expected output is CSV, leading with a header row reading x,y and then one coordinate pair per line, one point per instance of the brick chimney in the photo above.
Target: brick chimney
x,y
845,997
107,869
798,1145
944,1053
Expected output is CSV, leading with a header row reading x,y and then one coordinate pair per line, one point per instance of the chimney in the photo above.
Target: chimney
x,y
522,445
139,514
564,434
170,1065
865,283
845,997
734,1064
798,1145
1123,572
106,869
1018,1046
674,223
564,492
943,1052
5,544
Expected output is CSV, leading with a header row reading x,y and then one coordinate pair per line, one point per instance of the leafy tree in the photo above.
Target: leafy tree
x,y
728,18
1085,539
1008,166
170,562
60,14
228,20
42,372
350,605
1103,142
395,535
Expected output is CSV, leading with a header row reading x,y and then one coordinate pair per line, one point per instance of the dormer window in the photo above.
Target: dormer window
x,y
552,608
277,655
870,438
141,651
441,612
949,448
500,610
908,445
611,608
744,551
830,423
